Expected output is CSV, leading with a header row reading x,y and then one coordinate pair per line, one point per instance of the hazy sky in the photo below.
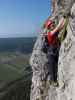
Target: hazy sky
x,y
22,17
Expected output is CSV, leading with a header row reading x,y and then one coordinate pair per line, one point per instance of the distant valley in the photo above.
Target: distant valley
x,y
15,71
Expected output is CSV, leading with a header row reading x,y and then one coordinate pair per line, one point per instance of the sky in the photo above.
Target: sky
x,y
22,18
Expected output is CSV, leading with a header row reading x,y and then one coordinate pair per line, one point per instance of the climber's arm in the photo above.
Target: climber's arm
x,y
59,26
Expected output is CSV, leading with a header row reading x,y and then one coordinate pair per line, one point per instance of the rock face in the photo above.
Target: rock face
x,y
66,66
41,88
40,70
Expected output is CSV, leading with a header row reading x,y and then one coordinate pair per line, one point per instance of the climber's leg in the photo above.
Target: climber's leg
x,y
50,66
50,62
53,54
55,67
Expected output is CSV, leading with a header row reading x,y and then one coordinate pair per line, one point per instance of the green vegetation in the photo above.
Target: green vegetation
x,y
15,72
12,65
15,76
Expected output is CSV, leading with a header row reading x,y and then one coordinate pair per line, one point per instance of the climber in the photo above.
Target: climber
x,y
53,50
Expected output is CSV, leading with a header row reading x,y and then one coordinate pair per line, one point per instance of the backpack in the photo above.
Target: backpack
x,y
45,45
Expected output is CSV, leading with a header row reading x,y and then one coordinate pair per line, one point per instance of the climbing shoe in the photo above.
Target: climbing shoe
x,y
55,84
61,84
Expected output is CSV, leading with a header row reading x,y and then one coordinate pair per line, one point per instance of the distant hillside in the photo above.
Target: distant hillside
x,y
15,76
23,45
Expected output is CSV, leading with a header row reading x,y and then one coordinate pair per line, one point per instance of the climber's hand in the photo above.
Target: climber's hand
x,y
61,23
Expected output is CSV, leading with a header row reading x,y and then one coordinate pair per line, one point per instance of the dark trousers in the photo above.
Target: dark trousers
x,y
53,55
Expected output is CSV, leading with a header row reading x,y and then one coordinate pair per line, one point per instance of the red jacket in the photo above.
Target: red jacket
x,y
52,39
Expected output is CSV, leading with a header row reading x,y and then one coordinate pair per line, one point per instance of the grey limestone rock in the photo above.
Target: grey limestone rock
x,y
41,88
67,60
